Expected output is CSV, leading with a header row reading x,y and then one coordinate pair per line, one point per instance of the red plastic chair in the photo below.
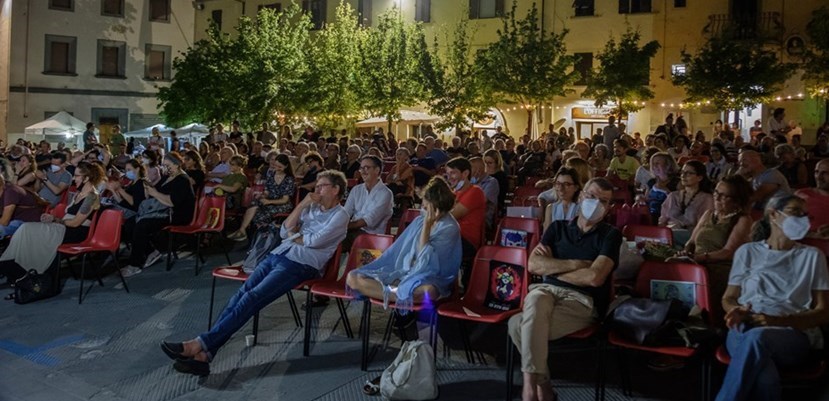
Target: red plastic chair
x,y
811,372
202,223
531,226
336,288
651,270
236,273
479,286
58,211
641,233
526,196
105,236
407,218
822,244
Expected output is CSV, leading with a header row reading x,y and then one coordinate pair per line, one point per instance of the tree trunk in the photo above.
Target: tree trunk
x,y
530,122
388,119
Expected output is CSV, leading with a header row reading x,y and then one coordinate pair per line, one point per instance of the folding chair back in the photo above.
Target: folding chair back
x,y
686,272
529,225
362,244
480,283
107,235
407,218
640,233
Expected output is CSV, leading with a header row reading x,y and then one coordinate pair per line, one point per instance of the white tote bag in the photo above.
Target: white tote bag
x,y
412,374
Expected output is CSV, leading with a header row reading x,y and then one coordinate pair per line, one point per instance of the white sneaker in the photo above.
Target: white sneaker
x,y
154,257
130,271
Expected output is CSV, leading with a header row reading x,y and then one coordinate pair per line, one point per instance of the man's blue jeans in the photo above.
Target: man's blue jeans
x,y
756,355
275,276
11,228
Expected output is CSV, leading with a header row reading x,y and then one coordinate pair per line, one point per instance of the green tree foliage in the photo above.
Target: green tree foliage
x,y
816,67
334,67
732,75
623,73
390,59
527,65
456,91
249,77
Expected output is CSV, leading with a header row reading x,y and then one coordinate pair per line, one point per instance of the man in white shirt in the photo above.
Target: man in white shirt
x,y
369,204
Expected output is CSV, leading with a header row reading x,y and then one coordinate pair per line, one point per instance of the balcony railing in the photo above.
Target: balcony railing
x,y
766,26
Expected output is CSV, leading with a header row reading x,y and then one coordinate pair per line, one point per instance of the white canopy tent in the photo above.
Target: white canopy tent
x,y
147,132
61,127
407,118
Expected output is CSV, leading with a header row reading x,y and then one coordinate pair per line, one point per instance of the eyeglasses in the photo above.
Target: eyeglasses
x,y
366,168
588,195
563,184
721,195
318,186
795,212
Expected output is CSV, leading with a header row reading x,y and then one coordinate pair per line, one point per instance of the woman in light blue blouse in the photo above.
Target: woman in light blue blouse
x,y
423,263
567,185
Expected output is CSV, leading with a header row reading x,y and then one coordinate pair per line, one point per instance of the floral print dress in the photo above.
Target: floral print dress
x,y
265,213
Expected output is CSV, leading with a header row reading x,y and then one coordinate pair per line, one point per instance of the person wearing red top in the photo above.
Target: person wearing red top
x,y
817,200
469,210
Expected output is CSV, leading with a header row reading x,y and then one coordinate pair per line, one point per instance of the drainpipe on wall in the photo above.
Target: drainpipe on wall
x,y
26,62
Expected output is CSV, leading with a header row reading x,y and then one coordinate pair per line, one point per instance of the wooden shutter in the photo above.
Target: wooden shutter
x,y
109,61
59,57
474,9
155,64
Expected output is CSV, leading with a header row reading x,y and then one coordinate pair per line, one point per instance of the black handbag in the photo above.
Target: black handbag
x,y
647,321
34,287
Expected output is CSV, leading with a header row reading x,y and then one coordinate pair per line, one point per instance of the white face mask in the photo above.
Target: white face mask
x,y
459,185
795,228
591,209
55,168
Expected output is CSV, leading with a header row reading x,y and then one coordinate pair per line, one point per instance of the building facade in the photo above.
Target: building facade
x,y
103,60
100,60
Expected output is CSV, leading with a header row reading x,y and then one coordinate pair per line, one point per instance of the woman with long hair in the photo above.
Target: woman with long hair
x,y
130,194
194,167
665,181
24,172
401,176
150,161
567,185
280,186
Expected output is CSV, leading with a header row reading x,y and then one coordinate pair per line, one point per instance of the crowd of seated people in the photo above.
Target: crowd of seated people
x,y
709,190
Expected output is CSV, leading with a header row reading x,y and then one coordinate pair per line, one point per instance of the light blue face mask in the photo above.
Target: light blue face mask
x,y
459,185
130,175
473,180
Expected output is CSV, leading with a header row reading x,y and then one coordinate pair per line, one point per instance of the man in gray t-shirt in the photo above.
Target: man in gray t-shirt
x,y
611,132
767,183
52,183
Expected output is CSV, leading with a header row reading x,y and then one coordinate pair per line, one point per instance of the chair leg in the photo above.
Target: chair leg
x,y
365,324
294,310
706,378
83,273
344,317
212,298
433,334
198,253
387,332
306,342
118,269
256,328
624,372
510,367
170,251
98,274
467,349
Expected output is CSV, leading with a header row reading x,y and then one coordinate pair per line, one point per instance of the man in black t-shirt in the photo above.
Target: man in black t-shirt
x,y
424,166
576,259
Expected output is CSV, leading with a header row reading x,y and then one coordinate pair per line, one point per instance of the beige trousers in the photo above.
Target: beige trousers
x,y
549,313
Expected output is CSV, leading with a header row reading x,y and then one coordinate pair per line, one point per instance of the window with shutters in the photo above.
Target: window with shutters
x,y
486,9
584,8
160,10
158,62
584,66
216,16
59,57
316,8
634,6
364,12
112,59
62,5
423,10
276,7
679,3
112,8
